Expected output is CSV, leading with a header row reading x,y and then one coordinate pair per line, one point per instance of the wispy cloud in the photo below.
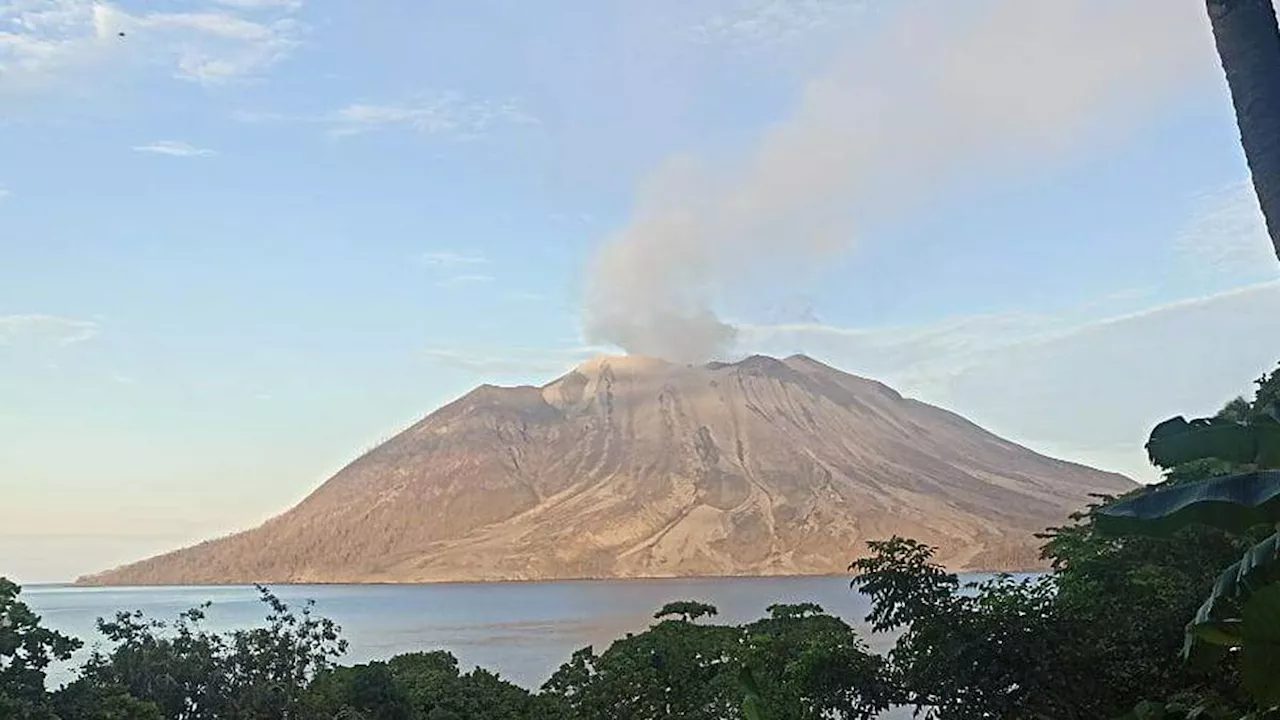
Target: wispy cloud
x,y
465,279
751,24
174,148
449,115
262,4
1227,234
451,259
5,194
40,328
46,42
1091,388
449,265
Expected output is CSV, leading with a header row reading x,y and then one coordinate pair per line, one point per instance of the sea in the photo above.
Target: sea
x,y
522,631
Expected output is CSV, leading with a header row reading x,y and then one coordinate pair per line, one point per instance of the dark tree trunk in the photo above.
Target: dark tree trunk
x,y
1249,45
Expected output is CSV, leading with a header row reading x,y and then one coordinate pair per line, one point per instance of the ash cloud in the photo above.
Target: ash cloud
x,y
942,87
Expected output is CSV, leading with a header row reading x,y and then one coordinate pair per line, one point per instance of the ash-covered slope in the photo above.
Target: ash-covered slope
x,y
633,467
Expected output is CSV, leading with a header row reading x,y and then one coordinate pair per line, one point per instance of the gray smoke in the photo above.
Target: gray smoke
x,y
941,88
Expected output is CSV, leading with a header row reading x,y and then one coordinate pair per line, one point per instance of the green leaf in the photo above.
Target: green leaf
x,y
1257,570
1234,503
1260,655
1177,441
752,703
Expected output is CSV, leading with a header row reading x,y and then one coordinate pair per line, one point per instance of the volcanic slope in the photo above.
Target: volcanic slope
x,y
634,467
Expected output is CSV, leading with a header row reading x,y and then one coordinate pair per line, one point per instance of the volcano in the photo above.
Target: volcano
x,y
635,467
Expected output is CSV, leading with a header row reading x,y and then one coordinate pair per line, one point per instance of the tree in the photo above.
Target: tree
x,y
804,664
1243,610
1102,632
26,651
1089,640
995,650
1248,42
189,673
797,664
674,669
366,692
686,610
417,686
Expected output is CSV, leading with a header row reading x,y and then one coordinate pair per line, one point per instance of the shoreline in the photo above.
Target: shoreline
x,y
514,581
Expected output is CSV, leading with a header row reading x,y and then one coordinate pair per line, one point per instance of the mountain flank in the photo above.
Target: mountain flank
x,y
634,467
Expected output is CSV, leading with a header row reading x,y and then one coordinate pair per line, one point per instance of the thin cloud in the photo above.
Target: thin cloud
x,y
174,148
1227,234
44,329
755,24
262,4
48,43
5,194
466,279
1062,383
451,259
450,115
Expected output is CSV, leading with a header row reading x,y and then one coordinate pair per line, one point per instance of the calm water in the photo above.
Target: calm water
x,y
523,631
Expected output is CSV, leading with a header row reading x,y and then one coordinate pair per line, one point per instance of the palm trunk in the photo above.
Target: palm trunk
x,y
1248,43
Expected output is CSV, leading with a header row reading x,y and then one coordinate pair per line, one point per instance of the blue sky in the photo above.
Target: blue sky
x,y
249,239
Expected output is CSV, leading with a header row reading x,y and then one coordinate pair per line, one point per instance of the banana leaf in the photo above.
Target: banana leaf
x,y
1234,503
1257,569
1260,653
752,703
1177,441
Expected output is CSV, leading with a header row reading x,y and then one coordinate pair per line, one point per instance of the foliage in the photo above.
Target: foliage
x,y
994,650
1103,630
417,686
674,669
685,609
805,665
1245,440
189,673
798,663
26,651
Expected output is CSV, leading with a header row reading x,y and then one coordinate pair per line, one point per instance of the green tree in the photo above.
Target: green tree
x,y
686,610
674,669
798,663
1100,633
993,650
189,673
26,650
1222,481
83,701
807,665
417,686
361,692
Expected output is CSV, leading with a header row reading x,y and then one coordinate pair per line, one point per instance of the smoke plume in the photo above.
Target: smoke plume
x,y
943,87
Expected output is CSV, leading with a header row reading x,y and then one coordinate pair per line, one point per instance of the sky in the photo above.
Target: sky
x,y
242,241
